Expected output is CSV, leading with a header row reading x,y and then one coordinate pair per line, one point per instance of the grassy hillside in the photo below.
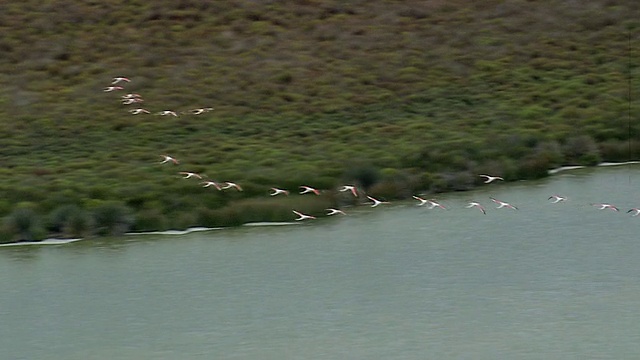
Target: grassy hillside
x,y
398,96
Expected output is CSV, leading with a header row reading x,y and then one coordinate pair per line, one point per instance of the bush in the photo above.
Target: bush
x,y
581,150
112,218
150,220
24,224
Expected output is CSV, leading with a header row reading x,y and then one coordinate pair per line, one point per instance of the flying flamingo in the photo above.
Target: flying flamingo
x,y
211,183
131,96
557,198
335,211
112,88
422,201
167,112
502,204
200,110
490,178
230,185
431,203
130,101
168,158
138,111
476,204
605,206
635,211
376,202
351,188
188,174
302,216
277,191
308,189
119,79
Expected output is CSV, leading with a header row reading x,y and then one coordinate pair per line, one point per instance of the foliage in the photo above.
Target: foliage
x,y
395,97
24,223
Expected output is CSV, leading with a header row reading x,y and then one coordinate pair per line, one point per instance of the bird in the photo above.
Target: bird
x,y
112,88
476,204
230,185
602,206
635,211
557,198
277,191
490,178
167,112
168,158
131,96
434,204
422,201
351,188
188,174
132,100
502,204
376,202
138,111
119,79
200,110
308,189
302,216
335,212
211,183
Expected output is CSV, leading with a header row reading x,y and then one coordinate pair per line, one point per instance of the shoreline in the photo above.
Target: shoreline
x,y
58,241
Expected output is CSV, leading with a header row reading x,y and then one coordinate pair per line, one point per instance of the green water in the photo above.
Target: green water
x,y
549,281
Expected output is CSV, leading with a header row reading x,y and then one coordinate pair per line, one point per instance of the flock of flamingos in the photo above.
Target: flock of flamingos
x,y
137,100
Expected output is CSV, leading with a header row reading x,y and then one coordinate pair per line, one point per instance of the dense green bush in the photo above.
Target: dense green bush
x,y
111,218
24,224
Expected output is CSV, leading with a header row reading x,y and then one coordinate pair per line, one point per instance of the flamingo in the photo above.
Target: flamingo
x,y
130,101
422,201
168,158
490,178
230,185
308,189
351,188
335,212
433,204
557,198
302,216
605,206
119,79
376,202
635,211
112,88
211,183
277,191
131,96
138,111
167,112
188,174
200,110
476,204
502,204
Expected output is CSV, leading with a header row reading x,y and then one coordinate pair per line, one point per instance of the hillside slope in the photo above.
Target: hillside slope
x,y
398,96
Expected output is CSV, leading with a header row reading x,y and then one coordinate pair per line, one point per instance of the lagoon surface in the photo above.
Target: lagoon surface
x,y
549,281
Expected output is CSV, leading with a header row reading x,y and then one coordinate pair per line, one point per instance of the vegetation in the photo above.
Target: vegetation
x,y
397,96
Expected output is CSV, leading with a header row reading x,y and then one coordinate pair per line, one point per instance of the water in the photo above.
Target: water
x,y
552,281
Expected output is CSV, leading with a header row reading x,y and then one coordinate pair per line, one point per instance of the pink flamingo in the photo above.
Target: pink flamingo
x,y
302,216
308,189
168,158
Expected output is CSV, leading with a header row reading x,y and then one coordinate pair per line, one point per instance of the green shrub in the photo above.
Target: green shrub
x,y
24,224
581,150
112,218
